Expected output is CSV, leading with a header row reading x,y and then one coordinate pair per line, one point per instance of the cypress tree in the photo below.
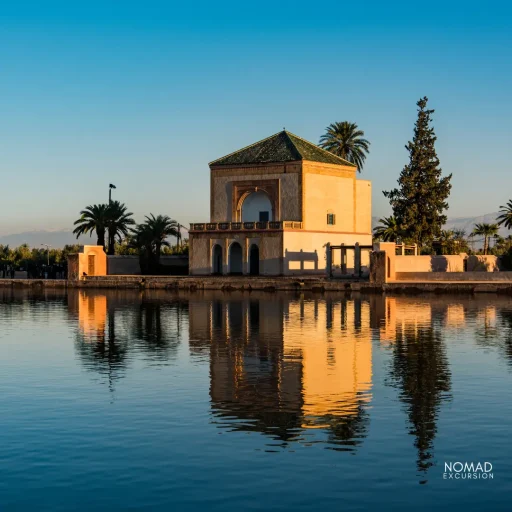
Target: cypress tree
x,y
419,202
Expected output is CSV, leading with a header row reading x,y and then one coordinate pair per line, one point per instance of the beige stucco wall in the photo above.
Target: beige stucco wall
x,y
100,260
313,258
449,263
199,255
363,206
222,190
328,194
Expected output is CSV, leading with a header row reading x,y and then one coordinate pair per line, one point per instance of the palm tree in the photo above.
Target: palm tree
x,y
160,228
118,223
388,230
346,141
505,219
93,218
485,230
150,237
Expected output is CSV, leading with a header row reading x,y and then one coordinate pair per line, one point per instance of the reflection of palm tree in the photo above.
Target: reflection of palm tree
x,y
159,340
420,370
103,353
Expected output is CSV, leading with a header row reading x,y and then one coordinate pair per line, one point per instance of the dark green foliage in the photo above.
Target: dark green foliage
x,y
93,219
421,198
347,141
149,238
119,222
505,217
387,230
487,231
100,218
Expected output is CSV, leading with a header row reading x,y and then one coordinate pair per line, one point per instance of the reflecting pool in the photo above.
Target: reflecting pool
x,y
229,401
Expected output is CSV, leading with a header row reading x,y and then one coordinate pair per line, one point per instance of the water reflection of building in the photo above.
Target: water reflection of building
x,y
284,365
92,314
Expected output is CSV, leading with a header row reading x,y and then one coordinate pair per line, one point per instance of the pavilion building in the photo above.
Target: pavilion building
x,y
275,207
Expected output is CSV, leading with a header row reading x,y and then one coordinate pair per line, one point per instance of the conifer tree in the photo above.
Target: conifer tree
x,y
420,201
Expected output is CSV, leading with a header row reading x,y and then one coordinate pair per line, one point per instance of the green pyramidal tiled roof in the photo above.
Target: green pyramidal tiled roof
x,y
281,147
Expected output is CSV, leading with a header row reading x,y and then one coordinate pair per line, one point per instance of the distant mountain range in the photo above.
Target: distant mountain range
x,y
59,238
56,239
465,223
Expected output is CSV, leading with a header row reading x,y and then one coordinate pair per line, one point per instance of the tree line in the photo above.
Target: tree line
x,y
118,233
38,263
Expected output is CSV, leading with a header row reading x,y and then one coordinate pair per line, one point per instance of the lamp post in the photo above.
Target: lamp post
x,y
48,251
110,187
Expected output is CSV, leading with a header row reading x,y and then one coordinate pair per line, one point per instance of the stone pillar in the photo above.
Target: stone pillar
x,y
390,249
378,268
343,260
328,260
357,260
245,263
225,258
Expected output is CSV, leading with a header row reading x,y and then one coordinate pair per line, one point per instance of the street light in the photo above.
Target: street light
x,y
48,250
110,187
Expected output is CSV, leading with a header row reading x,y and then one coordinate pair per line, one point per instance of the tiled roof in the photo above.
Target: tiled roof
x,y
281,147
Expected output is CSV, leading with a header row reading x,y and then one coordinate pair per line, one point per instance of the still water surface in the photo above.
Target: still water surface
x,y
125,400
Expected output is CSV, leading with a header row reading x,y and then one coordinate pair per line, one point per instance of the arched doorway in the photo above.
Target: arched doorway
x,y
257,207
254,260
235,258
217,259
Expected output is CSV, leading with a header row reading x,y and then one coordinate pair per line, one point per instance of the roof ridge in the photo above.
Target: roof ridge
x,y
320,148
247,147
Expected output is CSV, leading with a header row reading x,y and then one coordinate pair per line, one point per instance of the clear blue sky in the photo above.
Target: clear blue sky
x,y
144,94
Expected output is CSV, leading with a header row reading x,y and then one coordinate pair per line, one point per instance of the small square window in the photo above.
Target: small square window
x,y
331,219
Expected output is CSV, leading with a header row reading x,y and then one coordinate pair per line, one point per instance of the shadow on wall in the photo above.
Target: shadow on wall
x,y
306,262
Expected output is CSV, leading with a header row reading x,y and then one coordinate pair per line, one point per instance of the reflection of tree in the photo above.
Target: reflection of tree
x,y
420,370
494,331
102,352
156,328
148,328
506,339
349,430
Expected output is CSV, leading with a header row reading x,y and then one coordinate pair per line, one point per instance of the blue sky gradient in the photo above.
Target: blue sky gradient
x,y
145,94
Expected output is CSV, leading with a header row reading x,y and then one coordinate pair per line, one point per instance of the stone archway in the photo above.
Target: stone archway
x,y
254,260
235,259
243,189
257,207
217,260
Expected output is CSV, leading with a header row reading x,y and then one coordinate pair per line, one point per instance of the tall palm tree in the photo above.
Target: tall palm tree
x,y
149,238
388,230
93,218
485,230
347,141
505,217
160,227
119,222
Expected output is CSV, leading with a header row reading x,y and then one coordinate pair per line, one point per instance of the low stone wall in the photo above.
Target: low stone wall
x,y
482,263
451,263
129,265
454,276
